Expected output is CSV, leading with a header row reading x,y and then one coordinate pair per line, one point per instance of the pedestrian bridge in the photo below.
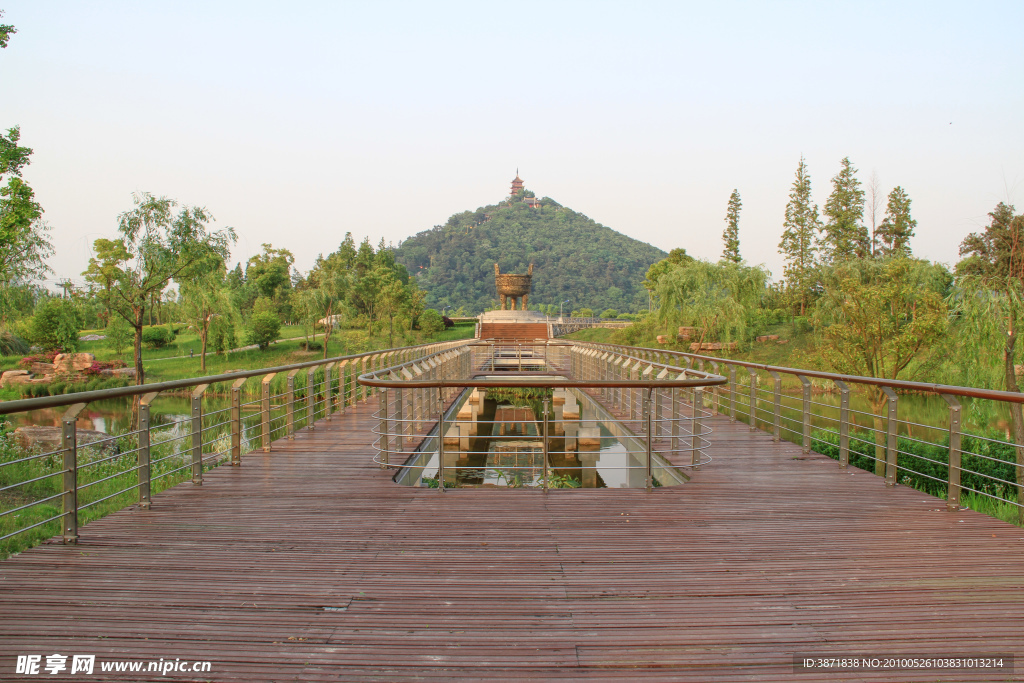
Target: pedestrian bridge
x,y
291,553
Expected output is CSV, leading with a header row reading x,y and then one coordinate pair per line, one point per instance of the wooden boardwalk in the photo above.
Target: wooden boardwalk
x,y
309,564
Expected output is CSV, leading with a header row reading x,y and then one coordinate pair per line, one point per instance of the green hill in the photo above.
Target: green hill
x,y
574,258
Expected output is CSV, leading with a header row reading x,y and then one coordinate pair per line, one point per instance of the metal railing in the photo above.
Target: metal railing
x,y
938,457
126,468
431,410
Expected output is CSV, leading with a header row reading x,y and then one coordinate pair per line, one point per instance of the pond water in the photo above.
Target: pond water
x,y
113,416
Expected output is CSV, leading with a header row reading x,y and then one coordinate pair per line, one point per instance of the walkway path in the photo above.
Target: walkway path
x,y
309,564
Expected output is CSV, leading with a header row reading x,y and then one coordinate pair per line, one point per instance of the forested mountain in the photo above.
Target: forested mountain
x,y
574,258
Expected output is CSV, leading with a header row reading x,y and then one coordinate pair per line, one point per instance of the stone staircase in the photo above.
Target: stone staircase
x,y
513,331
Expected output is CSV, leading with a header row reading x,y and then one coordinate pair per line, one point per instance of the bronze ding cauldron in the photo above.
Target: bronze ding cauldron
x,y
512,287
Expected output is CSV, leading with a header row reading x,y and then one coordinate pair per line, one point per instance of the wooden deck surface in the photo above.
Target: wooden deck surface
x,y
309,564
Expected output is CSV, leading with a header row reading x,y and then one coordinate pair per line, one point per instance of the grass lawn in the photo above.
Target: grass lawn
x,y
174,362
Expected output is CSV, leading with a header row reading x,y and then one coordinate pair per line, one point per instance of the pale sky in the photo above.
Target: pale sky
x,y
296,122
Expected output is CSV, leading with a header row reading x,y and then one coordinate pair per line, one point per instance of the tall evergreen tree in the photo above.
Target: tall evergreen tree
x,y
845,234
897,227
731,236
799,244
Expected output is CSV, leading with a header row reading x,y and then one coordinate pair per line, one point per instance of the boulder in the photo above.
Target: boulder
x,y
72,363
48,439
663,339
93,337
118,372
687,332
10,377
713,346
38,368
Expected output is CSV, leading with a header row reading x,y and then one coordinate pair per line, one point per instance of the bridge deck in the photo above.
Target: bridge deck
x,y
309,564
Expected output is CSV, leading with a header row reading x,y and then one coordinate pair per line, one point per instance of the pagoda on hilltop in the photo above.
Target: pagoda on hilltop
x,y
517,190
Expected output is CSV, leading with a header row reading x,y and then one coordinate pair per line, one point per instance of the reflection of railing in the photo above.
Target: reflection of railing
x,y
88,478
426,408
939,458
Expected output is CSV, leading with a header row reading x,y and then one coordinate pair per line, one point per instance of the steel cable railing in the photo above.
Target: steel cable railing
x,y
43,489
938,461
422,409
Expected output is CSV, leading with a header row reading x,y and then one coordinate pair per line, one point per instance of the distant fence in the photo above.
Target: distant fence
x,y
569,325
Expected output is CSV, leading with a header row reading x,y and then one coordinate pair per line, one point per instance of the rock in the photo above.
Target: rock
x,y
767,337
782,341
42,368
48,439
118,372
71,363
713,346
686,333
10,377
1018,370
93,337
663,339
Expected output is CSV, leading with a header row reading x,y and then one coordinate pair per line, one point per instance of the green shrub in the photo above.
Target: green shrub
x,y
12,345
610,313
157,337
55,325
431,321
222,335
119,335
263,329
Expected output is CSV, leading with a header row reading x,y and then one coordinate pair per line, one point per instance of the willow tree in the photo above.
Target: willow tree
x,y
882,318
24,240
716,298
991,301
161,245
205,297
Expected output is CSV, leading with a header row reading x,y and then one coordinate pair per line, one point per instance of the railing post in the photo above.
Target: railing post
x,y
545,454
311,398
197,434
69,444
676,414
697,427
342,386
732,393
290,414
805,413
844,423
145,472
777,396
715,395
327,390
236,421
650,441
266,411
753,398
440,451
953,493
659,403
890,442
382,447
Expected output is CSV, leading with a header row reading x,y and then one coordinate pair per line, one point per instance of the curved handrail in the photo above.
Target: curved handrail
x,y
971,392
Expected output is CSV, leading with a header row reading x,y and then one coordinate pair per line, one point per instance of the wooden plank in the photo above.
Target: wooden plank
x,y
309,563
